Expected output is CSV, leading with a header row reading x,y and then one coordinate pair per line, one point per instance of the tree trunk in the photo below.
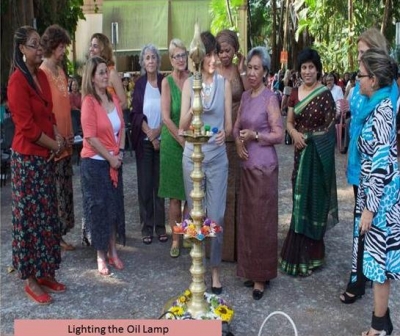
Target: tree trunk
x,y
350,19
19,13
386,16
228,10
275,52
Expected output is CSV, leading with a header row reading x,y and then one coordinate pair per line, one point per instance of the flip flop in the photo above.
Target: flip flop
x,y
163,238
174,252
147,240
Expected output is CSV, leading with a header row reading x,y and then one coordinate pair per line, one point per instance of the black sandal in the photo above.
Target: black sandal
x,y
163,238
147,240
347,299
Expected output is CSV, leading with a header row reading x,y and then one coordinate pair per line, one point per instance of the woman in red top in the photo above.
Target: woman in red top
x,y
36,228
101,165
75,97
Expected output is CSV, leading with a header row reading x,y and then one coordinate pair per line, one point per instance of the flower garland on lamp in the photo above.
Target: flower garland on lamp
x,y
218,309
188,229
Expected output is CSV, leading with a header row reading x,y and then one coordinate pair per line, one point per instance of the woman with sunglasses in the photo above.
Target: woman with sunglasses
x,y
371,38
377,211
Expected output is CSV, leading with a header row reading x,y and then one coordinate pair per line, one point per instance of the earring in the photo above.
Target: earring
x,y
24,58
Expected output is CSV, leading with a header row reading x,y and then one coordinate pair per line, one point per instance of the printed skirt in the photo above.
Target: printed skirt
x,y
36,228
65,194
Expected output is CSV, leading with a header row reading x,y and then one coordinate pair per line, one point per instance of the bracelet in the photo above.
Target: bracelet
x,y
256,136
58,151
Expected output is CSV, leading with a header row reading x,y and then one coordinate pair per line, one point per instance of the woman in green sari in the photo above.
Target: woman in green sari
x,y
311,124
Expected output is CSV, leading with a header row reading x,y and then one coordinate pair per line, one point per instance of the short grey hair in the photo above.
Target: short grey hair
x,y
152,48
263,54
174,44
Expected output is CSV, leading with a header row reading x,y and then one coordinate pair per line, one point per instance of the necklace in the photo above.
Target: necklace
x,y
207,88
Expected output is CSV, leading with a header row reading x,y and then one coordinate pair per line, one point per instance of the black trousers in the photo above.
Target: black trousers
x,y
356,285
151,207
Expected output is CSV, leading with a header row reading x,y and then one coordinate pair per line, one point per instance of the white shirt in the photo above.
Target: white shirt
x,y
152,106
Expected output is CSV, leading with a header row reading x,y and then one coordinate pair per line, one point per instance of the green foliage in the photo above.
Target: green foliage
x,y
66,13
219,13
334,36
260,28
261,22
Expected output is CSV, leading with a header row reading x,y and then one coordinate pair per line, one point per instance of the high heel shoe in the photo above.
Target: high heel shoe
x,y
383,325
347,299
388,323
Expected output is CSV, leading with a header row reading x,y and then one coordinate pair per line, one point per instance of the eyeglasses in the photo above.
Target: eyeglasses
x,y
179,57
359,75
33,46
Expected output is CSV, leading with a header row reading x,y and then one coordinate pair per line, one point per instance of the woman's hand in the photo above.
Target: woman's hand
x,y
220,138
366,221
241,150
298,139
69,140
247,135
156,144
115,162
151,134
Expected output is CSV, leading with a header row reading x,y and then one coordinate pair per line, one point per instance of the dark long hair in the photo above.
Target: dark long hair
x,y
21,37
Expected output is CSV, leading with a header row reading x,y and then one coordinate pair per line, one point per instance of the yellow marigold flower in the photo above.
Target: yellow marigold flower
x,y
182,299
188,293
178,311
224,312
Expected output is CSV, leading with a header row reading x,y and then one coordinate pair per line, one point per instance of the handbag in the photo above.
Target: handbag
x,y
288,138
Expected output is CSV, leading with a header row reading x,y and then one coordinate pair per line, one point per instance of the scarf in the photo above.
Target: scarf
x,y
360,112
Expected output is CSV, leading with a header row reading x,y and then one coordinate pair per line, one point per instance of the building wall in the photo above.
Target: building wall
x,y
85,29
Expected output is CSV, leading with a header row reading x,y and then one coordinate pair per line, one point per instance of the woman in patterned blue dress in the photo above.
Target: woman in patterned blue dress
x,y
378,198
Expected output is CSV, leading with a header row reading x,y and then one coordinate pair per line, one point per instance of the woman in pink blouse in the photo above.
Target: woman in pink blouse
x,y
101,165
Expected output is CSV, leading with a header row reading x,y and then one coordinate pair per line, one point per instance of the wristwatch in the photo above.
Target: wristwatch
x,y
256,136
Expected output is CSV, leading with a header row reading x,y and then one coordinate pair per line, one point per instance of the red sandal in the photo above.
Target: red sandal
x,y
42,299
51,285
116,262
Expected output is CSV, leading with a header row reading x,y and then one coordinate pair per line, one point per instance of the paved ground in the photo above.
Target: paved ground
x,y
151,277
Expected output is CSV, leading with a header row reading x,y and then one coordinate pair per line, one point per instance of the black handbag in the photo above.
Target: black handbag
x,y
288,138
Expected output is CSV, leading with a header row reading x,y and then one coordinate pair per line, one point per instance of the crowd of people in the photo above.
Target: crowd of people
x,y
240,163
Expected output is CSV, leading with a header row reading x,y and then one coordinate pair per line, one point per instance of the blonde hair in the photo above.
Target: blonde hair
x,y
87,79
174,44
374,39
